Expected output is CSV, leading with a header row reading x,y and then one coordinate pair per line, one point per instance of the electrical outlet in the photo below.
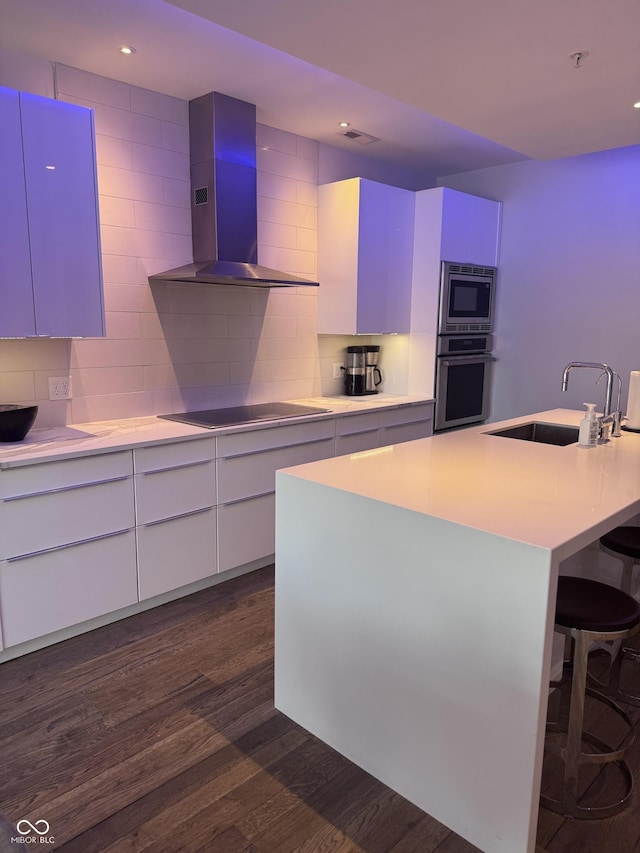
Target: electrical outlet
x,y
59,387
337,370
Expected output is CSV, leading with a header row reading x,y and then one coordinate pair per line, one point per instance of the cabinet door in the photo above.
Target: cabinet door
x,y
365,246
385,257
176,551
60,175
355,433
56,589
470,228
37,522
246,531
16,293
175,491
406,424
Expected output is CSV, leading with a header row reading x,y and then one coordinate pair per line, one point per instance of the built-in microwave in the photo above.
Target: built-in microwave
x,y
467,298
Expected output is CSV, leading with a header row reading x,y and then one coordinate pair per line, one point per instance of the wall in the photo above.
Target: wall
x,y
175,347
568,287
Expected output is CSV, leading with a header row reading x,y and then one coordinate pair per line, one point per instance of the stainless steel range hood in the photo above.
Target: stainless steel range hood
x,y
224,217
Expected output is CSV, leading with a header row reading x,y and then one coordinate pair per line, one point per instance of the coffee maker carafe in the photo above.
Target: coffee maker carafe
x,y
372,374
355,371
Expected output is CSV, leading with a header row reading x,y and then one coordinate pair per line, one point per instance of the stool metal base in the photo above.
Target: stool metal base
x,y
566,735
612,685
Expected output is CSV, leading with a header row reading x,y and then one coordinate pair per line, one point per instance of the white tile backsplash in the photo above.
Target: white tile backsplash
x,y
117,211
149,103
174,347
160,161
277,186
126,184
75,83
112,152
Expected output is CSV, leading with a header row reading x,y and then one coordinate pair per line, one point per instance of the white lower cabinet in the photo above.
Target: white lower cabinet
x,y
406,423
176,551
91,535
175,490
54,589
246,474
355,433
67,551
246,530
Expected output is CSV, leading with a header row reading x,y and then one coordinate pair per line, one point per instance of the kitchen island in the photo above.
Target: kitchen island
x,y
415,593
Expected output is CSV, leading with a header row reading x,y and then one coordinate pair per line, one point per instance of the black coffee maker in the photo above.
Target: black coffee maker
x,y
354,372
362,375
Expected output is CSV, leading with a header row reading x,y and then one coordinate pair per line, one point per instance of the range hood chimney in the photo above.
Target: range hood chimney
x,y
224,217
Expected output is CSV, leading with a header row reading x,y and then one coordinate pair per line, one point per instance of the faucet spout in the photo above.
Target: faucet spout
x,y
604,368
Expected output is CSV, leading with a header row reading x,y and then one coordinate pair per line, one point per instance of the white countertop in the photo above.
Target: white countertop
x,y
557,498
63,442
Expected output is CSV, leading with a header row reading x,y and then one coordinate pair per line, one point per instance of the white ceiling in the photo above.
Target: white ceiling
x,y
447,85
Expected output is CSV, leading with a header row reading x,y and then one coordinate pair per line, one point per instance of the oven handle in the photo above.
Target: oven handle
x,y
457,359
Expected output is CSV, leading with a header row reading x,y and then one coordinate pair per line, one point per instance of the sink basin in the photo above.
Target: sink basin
x,y
16,421
543,433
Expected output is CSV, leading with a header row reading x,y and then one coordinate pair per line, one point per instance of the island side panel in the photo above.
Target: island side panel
x,y
420,650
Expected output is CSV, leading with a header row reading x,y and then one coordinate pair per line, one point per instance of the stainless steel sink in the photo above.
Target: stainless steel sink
x,y
543,433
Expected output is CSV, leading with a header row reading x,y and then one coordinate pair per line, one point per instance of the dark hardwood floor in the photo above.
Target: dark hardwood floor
x,y
158,734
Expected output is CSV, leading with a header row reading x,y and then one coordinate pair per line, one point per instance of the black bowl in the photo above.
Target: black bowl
x,y
16,421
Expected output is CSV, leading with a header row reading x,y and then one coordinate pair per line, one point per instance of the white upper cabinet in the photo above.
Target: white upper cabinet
x,y
50,263
365,245
458,227
470,228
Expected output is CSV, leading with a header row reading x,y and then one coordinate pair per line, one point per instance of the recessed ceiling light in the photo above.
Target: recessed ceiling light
x,y
344,124
637,105
127,50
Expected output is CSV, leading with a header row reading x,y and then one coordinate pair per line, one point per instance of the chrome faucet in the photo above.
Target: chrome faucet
x,y
608,418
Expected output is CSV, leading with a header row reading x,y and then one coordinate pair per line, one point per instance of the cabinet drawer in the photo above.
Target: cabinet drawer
x,y
246,531
406,414
161,457
405,432
175,552
254,473
363,422
56,589
49,476
175,491
356,442
49,519
236,444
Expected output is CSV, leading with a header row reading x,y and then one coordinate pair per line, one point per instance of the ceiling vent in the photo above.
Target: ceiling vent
x,y
359,137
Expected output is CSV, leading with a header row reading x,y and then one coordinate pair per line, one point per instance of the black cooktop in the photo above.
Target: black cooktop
x,y
212,418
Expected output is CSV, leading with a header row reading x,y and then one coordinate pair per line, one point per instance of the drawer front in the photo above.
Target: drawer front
x,y
49,476
175,491
254,474
57,589
405,432
363,422
176,552
406,414
235,444
356,442
246,531
173,454
51,519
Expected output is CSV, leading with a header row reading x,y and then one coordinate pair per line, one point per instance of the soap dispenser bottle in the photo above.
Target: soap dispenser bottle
x,y
589,427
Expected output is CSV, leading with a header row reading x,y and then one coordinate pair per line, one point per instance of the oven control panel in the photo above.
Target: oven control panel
x,y
462,344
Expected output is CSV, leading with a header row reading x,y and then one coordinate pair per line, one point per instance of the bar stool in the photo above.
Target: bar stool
x,y
624,543
587,611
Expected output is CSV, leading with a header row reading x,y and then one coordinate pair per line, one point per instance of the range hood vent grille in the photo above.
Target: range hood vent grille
x,y
201,196
224,218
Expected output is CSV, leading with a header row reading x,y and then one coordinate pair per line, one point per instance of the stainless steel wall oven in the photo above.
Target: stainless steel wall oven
x,y
463,380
